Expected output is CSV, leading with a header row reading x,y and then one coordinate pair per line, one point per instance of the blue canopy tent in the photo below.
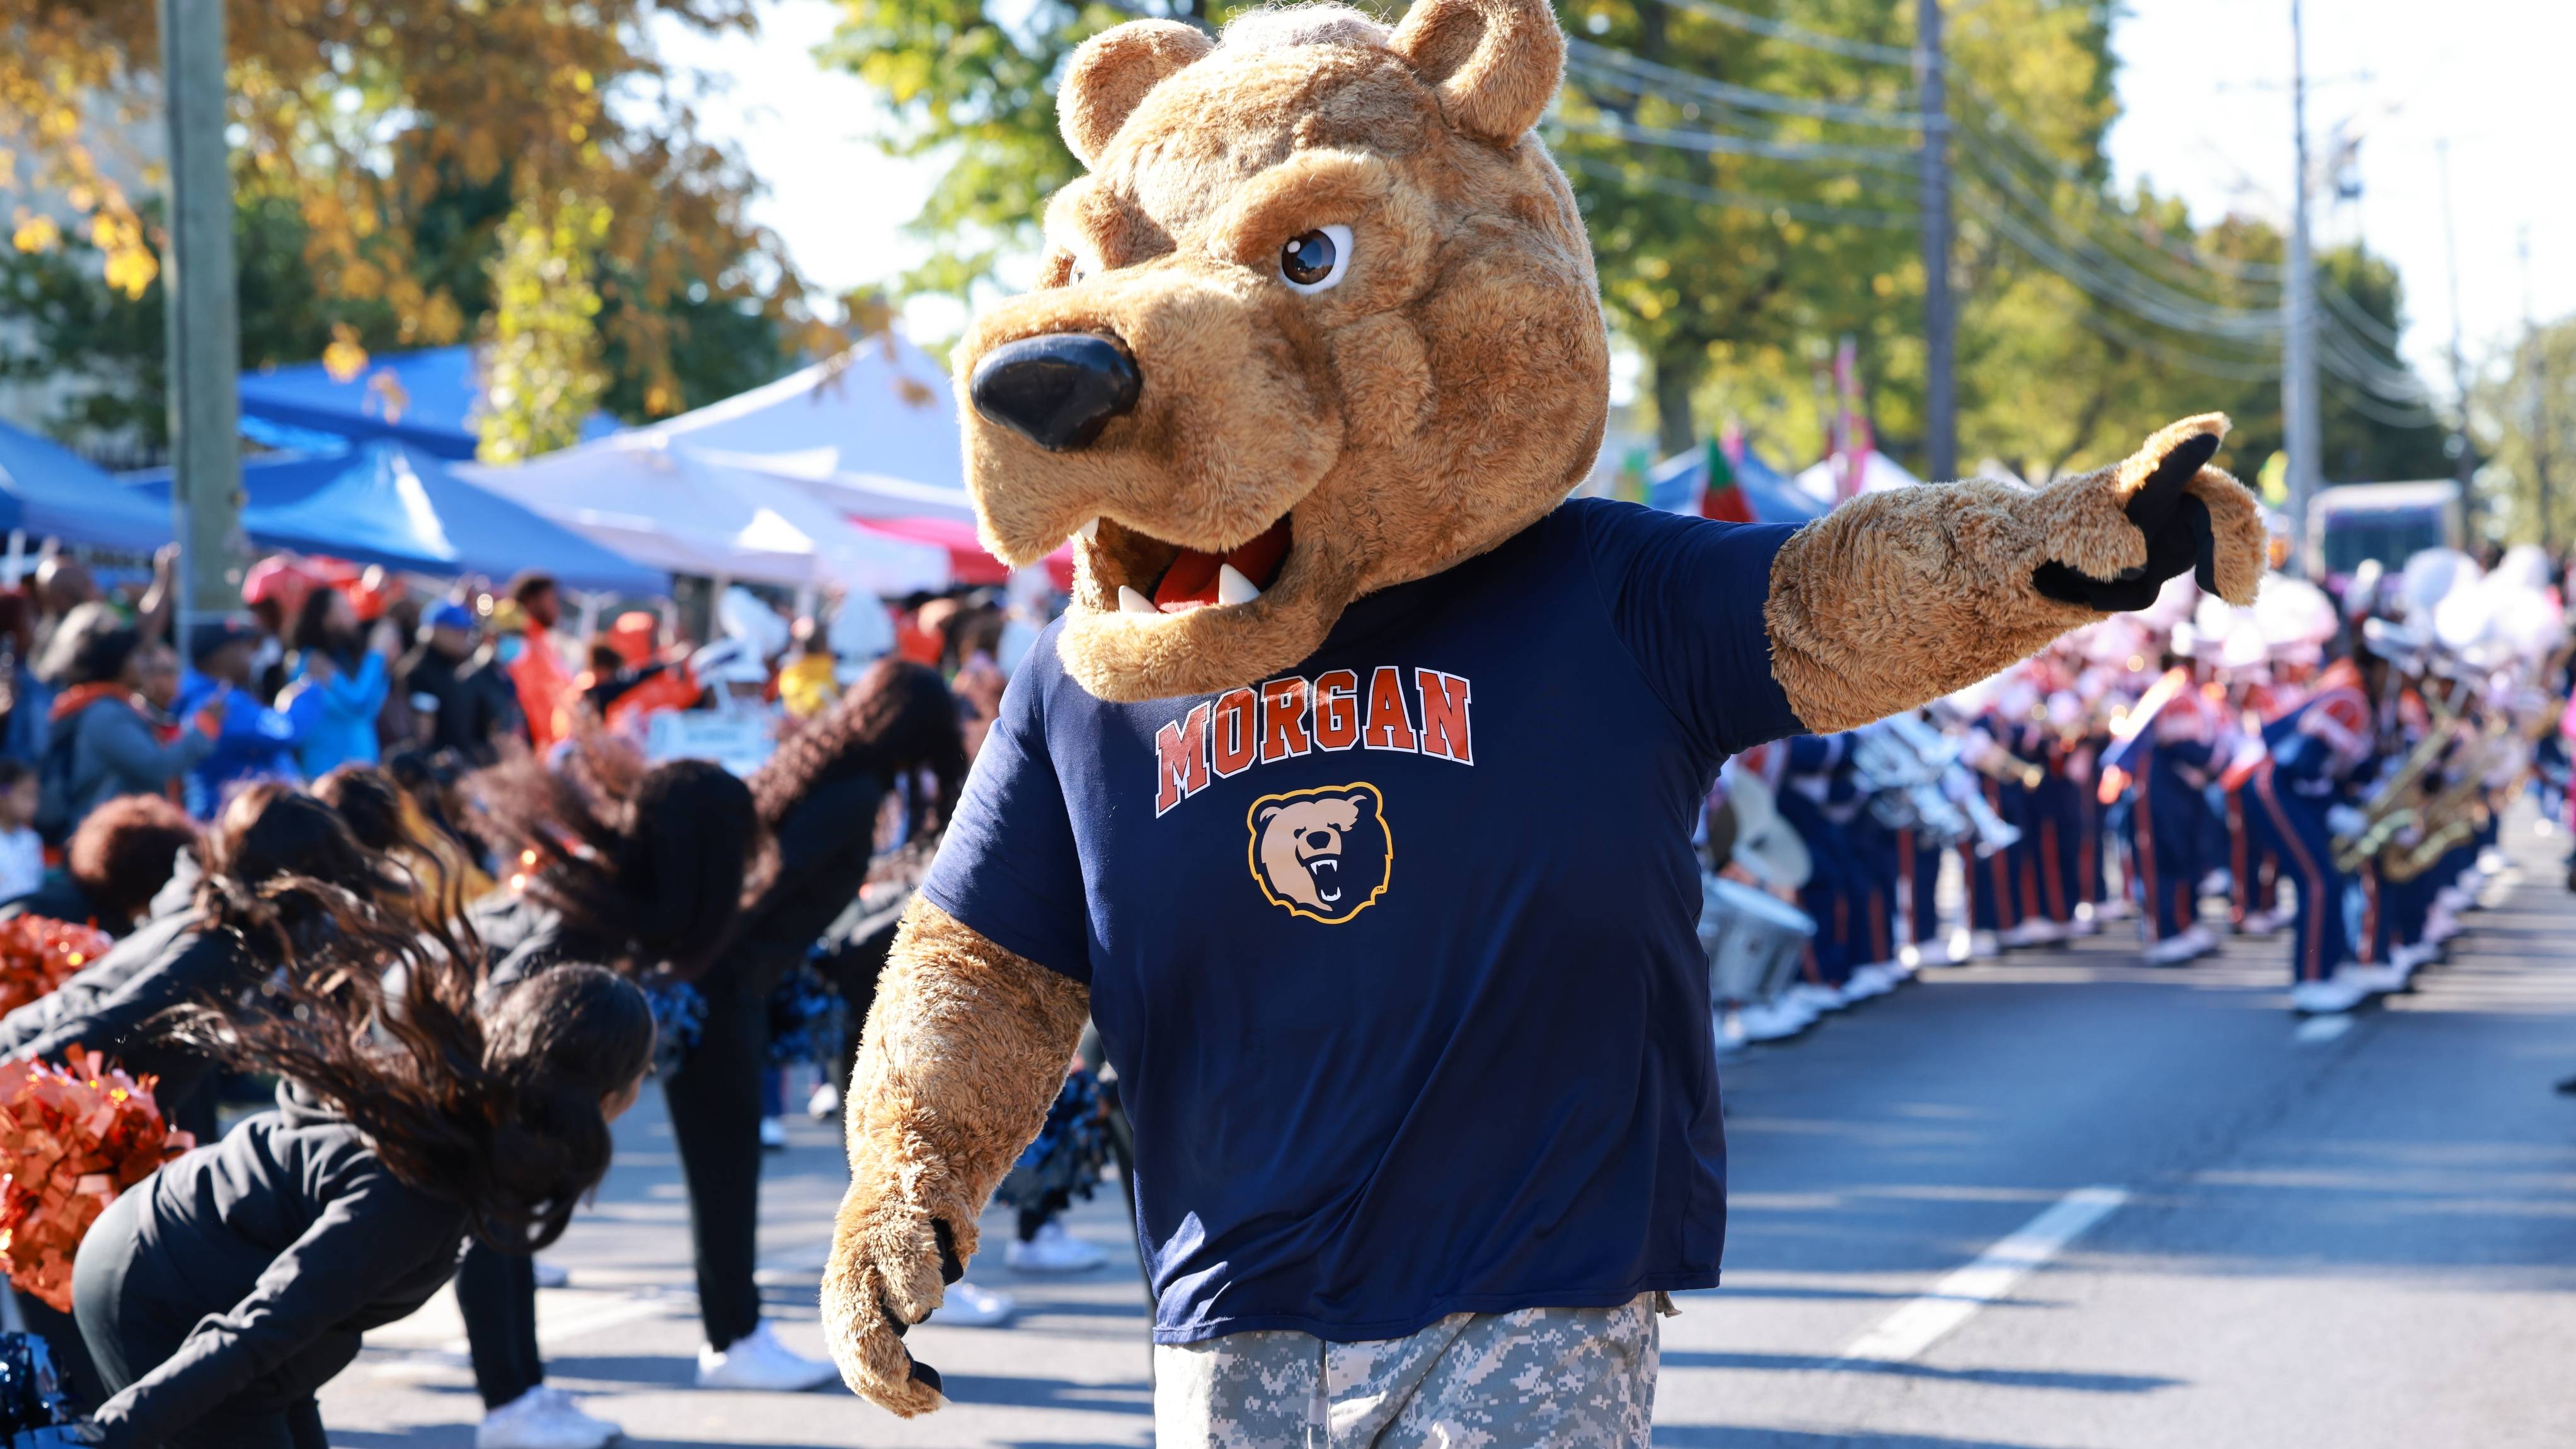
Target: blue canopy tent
x,y
428,399
1678,483
48,491
390,504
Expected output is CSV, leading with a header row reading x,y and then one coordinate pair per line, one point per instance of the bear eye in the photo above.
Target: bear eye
x,y
1317,259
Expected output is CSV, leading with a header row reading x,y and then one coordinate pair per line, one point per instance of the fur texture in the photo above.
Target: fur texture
x,y
1446,393
964,1051
1900,597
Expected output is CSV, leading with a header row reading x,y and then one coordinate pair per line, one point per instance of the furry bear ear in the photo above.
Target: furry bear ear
x,y
1111,73
1495,63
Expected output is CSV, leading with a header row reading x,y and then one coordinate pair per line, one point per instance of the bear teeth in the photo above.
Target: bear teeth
x,y
1132,602
1233,588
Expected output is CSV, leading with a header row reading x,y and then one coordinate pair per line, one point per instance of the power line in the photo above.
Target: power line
x,y
1781,30
1744,201
1720,144
2235,370
1603,60
2137,295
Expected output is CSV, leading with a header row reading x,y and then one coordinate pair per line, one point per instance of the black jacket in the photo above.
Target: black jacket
x,y
487,708
523,936
280,1245
109,1006
825,845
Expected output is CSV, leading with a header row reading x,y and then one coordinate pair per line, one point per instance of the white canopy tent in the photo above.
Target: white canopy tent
x,y
770,486
672,508
1878,473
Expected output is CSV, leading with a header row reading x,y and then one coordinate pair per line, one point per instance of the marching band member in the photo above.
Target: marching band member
x,y
2314,752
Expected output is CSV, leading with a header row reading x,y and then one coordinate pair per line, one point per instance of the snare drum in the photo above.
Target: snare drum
x,y
1754,940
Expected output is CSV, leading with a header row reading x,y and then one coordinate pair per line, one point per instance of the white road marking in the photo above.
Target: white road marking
x,y
1955,1299
2324,1028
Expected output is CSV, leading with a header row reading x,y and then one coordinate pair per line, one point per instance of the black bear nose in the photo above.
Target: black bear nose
x,y
1058,391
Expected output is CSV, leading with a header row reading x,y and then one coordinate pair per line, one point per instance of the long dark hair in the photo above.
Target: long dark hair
x,y
653,859
499,1111
898,718
278,862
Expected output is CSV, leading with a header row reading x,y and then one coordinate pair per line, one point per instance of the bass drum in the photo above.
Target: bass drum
x,y
1754,940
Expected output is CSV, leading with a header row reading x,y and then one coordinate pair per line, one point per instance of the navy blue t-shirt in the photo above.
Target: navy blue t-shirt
x,y
1394,954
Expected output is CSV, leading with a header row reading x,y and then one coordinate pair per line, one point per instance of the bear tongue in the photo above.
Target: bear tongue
x,y
1190,582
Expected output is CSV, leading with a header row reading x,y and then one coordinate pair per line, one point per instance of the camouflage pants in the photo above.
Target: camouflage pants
x,y
1562,1378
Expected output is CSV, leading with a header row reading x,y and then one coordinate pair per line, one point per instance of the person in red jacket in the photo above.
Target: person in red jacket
x,y
543,680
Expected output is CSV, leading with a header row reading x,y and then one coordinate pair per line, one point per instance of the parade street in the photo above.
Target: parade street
x,y
2065,1201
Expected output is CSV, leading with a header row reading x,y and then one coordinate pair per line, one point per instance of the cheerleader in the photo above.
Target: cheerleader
x,y
642,869
232,934
220,1294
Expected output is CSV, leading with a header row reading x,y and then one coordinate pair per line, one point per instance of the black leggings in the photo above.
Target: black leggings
x,y
122,1305
497,1294
714,1101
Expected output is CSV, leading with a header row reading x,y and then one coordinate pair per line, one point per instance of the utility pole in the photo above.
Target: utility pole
x,y
2536,374
2464,460
2302,426
204,317
1940,318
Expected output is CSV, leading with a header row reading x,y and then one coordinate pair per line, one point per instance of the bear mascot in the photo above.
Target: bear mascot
x,y
1352,797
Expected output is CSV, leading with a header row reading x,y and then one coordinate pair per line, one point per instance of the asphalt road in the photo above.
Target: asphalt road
x,y
2064,1202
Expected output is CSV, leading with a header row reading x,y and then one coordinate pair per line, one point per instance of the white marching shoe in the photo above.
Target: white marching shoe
x,y
2035,931
2191,942
1868,981
1982,946
2330,997
1774,1020
1816,997
968,1306
757,1360
543,1418
1053,1250
2374,980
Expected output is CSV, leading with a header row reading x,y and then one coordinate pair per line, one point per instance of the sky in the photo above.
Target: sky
x,y
2206,116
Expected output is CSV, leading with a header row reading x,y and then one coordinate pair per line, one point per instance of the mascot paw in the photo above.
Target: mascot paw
x,y
2122,532
890,1266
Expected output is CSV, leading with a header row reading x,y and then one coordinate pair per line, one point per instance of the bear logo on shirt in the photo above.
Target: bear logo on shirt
x,y
1323,853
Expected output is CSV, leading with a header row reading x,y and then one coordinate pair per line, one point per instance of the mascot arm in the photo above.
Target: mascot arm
x,y
964,1052
1898,598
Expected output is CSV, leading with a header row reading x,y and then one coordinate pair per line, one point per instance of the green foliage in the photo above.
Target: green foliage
x,y
1735,254
72,324
2524,415
542,372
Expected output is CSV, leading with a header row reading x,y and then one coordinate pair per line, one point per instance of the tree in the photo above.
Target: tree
x,y
369,117
2524,418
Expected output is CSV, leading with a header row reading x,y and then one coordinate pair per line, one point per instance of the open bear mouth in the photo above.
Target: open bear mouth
x,y
1196,579
1325,872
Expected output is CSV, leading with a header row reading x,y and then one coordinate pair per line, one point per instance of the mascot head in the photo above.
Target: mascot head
x,y
1320,319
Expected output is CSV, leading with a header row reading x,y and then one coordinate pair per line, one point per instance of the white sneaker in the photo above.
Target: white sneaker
x,y
825,1104
1868,981
2173,950
1982,946
2414,957
2118,908
757,1360
2203,938
968,1306
2260,923
1053,1250
1815,997
773,1135
2218,882
2035,931
543,1418
2325,998
1773,1021
2372,980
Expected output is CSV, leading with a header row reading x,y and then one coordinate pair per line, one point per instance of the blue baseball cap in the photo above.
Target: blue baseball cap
x,y
448,614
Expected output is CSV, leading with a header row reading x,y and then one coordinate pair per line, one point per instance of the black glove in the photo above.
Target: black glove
x,y
2178,535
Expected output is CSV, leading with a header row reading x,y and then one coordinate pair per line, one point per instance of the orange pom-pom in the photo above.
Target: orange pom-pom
x,y
71,1139
38,954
